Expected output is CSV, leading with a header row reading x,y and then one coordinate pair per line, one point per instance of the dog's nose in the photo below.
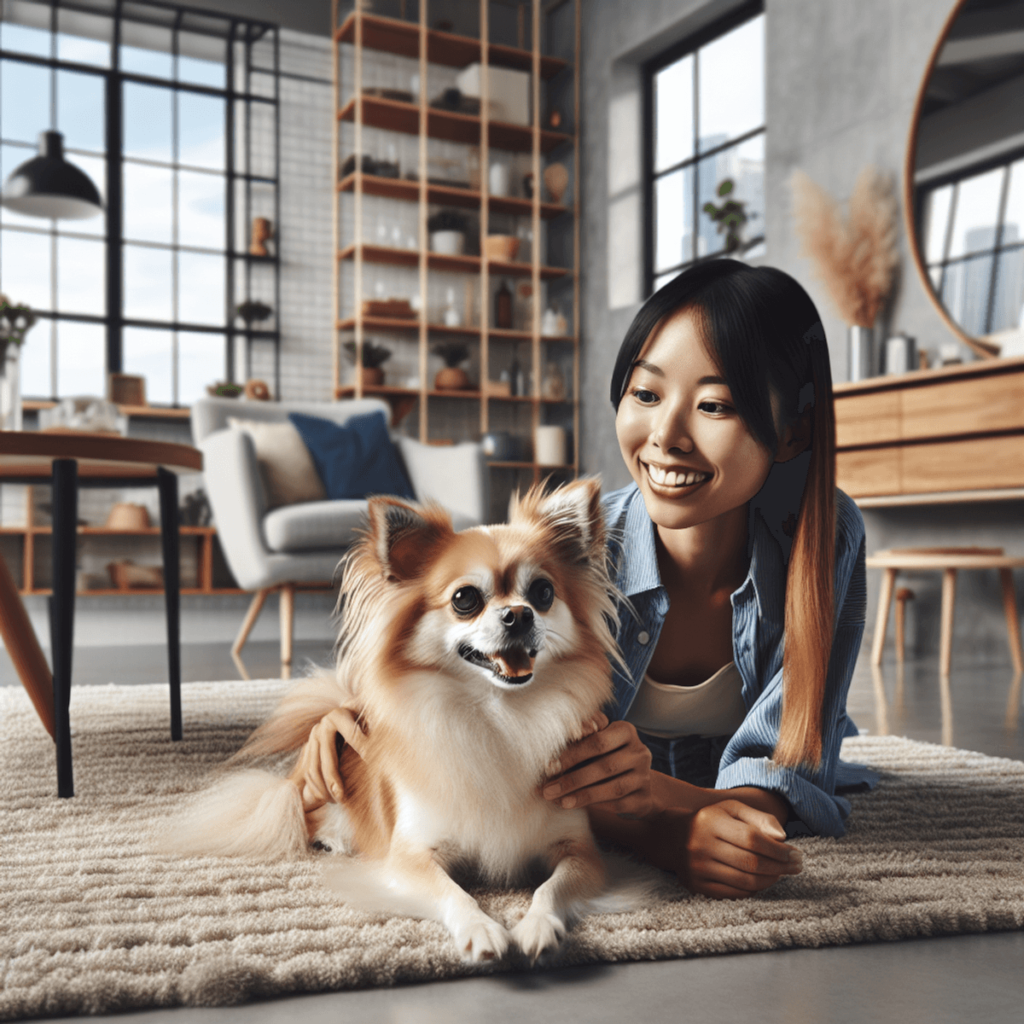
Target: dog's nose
x,y
517,619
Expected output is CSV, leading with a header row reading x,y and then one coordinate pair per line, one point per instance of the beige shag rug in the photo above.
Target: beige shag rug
x,y
91,922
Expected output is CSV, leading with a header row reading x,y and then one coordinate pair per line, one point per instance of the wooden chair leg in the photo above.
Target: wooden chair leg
x,y
903,595
255,607
287,624
1012,618
946,636
882,617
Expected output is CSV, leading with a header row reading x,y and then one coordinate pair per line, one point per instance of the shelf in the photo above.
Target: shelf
x,y
106,531
139,592
448,195
403,38
454,264
389,391
397,116
384,323
151,411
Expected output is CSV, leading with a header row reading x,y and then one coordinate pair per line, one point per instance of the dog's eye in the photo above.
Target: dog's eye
x,y
541,594
467,600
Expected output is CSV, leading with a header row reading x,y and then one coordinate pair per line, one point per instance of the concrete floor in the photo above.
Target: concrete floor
x,y
931,981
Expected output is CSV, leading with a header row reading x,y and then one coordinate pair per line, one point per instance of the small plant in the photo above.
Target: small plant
x,y
374,355
731,217
452,352
252,311
447,220
15,321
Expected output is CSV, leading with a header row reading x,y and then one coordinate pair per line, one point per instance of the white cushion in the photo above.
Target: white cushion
x,y
289,475
314,525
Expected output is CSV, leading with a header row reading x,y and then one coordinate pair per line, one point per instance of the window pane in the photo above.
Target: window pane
x,y
201,361
147,121
201,130
673,218
673,114
965,289
730,73
84,38
24,101
1008,307
155,63
743,165
201,288
25,39
81,111
81,359
937,206
977,212
1013,219
35,362
149,354
25,268
148,206
81,276
201,210
147,283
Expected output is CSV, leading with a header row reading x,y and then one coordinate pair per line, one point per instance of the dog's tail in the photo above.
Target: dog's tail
x,y
250,813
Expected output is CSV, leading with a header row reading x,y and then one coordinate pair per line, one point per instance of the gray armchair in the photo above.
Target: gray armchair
x,y
279,549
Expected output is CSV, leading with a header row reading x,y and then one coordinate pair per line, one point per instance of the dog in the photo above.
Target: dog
x,y
473,659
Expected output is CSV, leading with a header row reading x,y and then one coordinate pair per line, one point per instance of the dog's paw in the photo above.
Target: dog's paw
x,y
538,933
481,938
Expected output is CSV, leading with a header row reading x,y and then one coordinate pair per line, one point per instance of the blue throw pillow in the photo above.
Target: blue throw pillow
x,y
356,458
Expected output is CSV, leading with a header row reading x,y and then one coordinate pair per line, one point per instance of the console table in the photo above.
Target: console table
x,y
66,459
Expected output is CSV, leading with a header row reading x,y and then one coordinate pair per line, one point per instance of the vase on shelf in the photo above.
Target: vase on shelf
x,y
861,351
10,387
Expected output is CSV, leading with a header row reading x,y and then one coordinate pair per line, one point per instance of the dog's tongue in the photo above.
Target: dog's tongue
x,y
513,663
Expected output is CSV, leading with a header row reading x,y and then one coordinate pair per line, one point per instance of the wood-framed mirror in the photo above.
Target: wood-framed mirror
x,y
964,176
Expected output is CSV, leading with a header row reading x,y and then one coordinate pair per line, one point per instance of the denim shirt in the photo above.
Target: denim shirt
x,y
744,759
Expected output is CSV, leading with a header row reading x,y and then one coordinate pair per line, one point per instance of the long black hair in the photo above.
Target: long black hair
x,y
765,334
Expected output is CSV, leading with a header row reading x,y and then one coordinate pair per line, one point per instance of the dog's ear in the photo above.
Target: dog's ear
x,y
403,537
572,512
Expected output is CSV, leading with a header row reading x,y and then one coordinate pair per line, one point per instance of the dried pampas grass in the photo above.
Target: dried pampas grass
x,y
855,258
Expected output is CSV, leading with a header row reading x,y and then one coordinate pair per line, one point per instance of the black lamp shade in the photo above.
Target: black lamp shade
x,y
48,186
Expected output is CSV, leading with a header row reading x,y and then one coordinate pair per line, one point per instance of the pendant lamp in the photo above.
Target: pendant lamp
x,y
49,186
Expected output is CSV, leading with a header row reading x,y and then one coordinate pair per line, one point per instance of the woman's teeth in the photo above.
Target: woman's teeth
x,y
674,478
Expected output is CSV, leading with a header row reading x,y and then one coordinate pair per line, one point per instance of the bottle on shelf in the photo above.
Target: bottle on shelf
x,y
503,306
451,314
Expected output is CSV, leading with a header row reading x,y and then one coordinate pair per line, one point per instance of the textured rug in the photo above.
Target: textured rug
x,y
91,922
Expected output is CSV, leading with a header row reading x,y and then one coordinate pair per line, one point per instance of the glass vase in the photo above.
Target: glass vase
x,y
10,390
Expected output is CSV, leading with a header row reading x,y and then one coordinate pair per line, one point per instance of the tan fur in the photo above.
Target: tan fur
x,y
457,744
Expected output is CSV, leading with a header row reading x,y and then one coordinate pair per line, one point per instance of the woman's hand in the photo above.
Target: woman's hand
x,y
609,768
728,850
317,772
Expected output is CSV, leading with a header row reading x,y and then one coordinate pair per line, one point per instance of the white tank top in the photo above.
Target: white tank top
x,y
712,708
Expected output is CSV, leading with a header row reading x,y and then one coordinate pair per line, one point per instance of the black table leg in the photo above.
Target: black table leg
x,y
168,484
62,633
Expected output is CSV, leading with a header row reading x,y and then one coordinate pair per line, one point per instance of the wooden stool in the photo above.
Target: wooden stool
x,y
947,561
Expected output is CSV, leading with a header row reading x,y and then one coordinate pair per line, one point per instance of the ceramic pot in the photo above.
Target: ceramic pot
x,y
447,243
452,378
373,376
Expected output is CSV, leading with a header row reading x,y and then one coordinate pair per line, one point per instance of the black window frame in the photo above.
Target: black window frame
x,y
239,263
720,26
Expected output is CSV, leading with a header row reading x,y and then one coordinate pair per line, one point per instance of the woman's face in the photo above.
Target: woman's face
x,y
686,447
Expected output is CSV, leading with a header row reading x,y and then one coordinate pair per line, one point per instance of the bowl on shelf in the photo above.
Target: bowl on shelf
x,y
447,243
126,516
501,247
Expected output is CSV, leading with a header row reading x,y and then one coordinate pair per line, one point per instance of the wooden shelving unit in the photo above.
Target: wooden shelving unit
x,y
362,38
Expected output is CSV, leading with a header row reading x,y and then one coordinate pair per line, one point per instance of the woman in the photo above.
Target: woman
x,y
742,570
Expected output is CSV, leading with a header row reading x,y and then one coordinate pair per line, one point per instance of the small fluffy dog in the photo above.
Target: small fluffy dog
x,y
473,658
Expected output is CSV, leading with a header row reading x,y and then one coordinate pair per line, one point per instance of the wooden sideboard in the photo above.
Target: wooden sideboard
x,y
950,434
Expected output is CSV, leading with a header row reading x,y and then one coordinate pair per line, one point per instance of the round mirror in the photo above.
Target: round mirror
x,y
964,178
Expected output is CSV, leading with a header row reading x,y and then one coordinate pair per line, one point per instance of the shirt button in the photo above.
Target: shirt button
x,y
643,637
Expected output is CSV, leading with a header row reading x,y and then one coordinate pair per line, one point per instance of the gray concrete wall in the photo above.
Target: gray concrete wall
x,y
842,79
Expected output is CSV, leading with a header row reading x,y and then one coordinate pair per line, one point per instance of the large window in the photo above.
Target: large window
x,y
974,246
705,144
173,114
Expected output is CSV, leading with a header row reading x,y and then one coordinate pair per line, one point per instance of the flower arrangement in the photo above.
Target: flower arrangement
x,y
452,377
855,257
374,355
451,352
15,322
730,216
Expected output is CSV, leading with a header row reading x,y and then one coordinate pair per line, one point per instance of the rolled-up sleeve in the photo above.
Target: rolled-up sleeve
x,y
746,760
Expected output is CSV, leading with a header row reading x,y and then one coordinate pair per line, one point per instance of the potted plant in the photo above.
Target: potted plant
x,y
730,216
447,230
15,321
374,357
451,377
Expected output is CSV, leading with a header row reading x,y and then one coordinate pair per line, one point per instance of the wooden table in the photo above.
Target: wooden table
x,y
64,459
